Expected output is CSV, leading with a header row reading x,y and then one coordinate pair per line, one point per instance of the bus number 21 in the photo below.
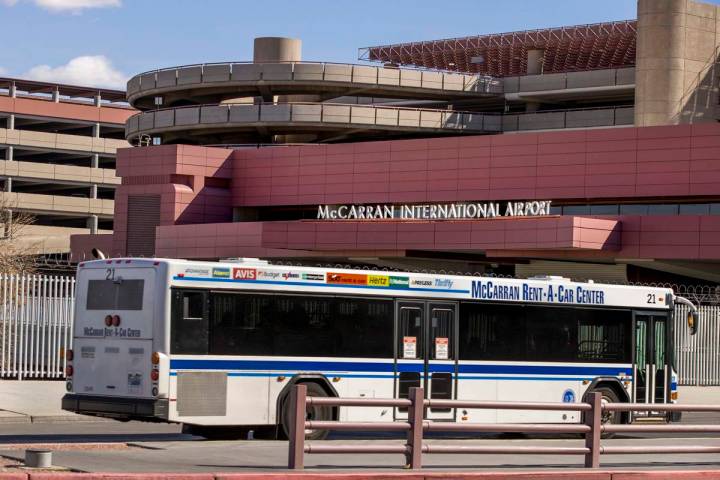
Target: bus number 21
x,y
651,298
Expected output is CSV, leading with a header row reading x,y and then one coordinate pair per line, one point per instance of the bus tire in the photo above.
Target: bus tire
x,y
314,412
609,418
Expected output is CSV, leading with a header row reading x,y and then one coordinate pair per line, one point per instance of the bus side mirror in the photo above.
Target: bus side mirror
x,y
693,321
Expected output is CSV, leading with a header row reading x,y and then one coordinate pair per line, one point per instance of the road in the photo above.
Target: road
x,y
163,448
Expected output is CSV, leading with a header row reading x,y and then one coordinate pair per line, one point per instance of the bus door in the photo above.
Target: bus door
x,y
426,353
651,370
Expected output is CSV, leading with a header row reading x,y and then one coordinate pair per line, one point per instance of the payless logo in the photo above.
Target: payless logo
x,y
244,274
221,272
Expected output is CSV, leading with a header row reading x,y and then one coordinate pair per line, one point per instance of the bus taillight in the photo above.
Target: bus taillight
x,y
69,371
116,320
108,320
154,375
155,358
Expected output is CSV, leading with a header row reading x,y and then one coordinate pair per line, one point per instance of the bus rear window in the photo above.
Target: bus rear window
x,y
115,295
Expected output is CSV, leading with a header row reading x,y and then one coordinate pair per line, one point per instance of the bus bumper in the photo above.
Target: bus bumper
x,y
117,407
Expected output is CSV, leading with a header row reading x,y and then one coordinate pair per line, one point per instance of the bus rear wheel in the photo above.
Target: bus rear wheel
x,y
609,418
313,412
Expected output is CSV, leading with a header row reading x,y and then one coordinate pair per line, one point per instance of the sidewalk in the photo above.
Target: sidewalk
x,y
35,401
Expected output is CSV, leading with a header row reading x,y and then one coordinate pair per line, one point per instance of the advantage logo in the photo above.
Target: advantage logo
x,y
244,274
221,272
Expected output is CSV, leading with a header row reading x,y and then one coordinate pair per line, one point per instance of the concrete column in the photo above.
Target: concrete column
x,y
56,95
93,191
92,223
13,90
8,185
535,61
11,122
676,73
9,153
281,49
276,49
96,130
95,161
98,100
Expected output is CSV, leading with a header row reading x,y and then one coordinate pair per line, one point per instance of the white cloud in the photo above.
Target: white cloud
x,y
74,6
91,71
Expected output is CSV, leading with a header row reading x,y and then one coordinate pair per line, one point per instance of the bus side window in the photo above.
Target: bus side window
x,y
189,330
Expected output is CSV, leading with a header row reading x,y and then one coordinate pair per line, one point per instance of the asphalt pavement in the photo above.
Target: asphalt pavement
x,y
156,447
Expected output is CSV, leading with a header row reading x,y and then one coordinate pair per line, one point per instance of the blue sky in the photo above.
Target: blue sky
x,y
113,39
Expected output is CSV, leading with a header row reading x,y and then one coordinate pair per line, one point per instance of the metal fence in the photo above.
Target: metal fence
x,y
36,314
698,356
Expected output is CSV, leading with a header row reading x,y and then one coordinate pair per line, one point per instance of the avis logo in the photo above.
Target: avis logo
x,y
244,274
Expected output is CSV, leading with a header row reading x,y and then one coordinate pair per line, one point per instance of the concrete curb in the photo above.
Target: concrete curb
x,y
536,475
8,417
68,419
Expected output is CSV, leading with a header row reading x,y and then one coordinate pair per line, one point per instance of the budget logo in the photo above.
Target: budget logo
x,y
221,272
244,274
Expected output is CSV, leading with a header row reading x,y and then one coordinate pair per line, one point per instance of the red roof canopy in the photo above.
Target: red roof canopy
x,y
578,47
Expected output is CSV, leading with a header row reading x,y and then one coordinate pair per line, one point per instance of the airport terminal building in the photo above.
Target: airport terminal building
x,y
587,151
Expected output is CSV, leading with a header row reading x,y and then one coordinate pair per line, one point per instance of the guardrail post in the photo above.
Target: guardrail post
x,y
415,434
593,419
297,400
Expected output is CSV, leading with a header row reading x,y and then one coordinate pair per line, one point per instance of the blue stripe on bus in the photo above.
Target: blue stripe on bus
x,y
307,284
389,367
461,377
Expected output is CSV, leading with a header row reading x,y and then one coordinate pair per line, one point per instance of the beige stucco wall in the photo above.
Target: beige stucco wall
x,y
38,239
676,62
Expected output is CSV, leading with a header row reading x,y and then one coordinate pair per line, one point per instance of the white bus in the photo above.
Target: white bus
x,y
217,346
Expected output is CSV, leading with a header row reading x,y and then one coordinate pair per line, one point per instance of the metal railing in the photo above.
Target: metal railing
x,y
214,74
415,426
36,318
366,116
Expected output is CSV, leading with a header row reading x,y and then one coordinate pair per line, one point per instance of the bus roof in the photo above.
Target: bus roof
x,y
255,274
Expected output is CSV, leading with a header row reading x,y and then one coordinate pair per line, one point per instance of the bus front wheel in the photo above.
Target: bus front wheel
x,y
313,412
